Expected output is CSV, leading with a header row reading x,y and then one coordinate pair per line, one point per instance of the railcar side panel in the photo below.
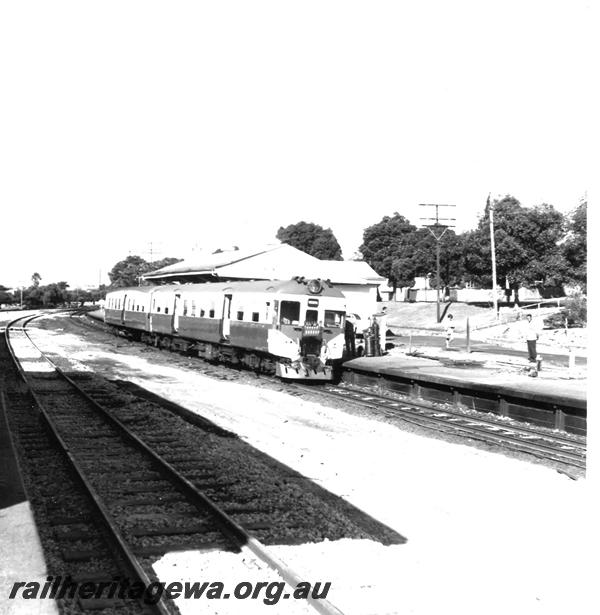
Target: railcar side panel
x,y
252,335
136,320
204,329
161,323
112,316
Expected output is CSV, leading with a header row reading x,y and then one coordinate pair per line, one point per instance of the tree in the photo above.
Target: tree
x,y
387,242
312,239
33,297
36,279
526,246
417,257
54,294
129,271
5,296
98,293
574,249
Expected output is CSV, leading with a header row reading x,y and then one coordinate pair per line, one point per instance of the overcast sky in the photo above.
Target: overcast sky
x,y
125,124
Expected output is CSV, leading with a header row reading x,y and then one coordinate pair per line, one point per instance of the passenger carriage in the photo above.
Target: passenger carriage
x,y
294,328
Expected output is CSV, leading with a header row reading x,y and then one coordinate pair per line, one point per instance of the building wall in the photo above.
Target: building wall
x,y
361,299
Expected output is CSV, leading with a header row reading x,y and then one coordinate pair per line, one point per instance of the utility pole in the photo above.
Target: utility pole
x,y
437,229
493,247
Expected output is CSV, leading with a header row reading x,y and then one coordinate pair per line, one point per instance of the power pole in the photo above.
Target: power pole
x,y
493,247
437,229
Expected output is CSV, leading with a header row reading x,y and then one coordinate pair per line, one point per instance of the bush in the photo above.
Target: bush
x,y
574,310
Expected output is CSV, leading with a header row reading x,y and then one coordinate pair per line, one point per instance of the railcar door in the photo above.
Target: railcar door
x,y
123,310
226,320
176,306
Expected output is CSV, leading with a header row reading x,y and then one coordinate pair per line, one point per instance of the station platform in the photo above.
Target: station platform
x,y
491,382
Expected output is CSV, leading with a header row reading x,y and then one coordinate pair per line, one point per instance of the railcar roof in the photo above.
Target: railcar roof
x,y
140,289
291,287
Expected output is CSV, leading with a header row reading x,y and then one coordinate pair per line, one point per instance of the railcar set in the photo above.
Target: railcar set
x,y
294,328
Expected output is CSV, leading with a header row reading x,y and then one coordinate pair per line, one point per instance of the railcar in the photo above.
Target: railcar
x,y
292,328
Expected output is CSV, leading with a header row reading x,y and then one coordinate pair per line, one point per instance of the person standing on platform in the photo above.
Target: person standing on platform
x,y
531,336
350,337
449,330
381,320
375,341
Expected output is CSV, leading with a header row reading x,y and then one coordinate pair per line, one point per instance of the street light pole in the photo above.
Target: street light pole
x,y
493,248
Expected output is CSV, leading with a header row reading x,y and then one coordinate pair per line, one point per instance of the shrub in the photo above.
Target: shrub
x,y
574,310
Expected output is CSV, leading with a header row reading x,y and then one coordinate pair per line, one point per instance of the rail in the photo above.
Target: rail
x,y
565,449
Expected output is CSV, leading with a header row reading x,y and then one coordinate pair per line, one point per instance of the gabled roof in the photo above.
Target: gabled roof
x,y
208,263
349,272
270,262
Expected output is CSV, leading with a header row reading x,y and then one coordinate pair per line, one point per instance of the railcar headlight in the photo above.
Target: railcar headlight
x,y
315,287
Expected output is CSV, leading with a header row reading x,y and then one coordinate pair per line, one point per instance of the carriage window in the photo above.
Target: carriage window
x,y
312,316
333,319
166,310
240,315
185,307
194,308
143,309
254,316
201,312
211,313
290,312
158,309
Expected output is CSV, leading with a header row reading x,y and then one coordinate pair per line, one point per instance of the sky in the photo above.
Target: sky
x,y
161,128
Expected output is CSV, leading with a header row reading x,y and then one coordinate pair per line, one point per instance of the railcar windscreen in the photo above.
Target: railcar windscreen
x,y
333,318
312,317
290,313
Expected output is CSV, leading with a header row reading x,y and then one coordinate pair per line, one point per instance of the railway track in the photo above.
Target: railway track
x,y
121,470
567,450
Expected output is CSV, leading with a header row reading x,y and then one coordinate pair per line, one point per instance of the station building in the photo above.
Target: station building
x,y
355,279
